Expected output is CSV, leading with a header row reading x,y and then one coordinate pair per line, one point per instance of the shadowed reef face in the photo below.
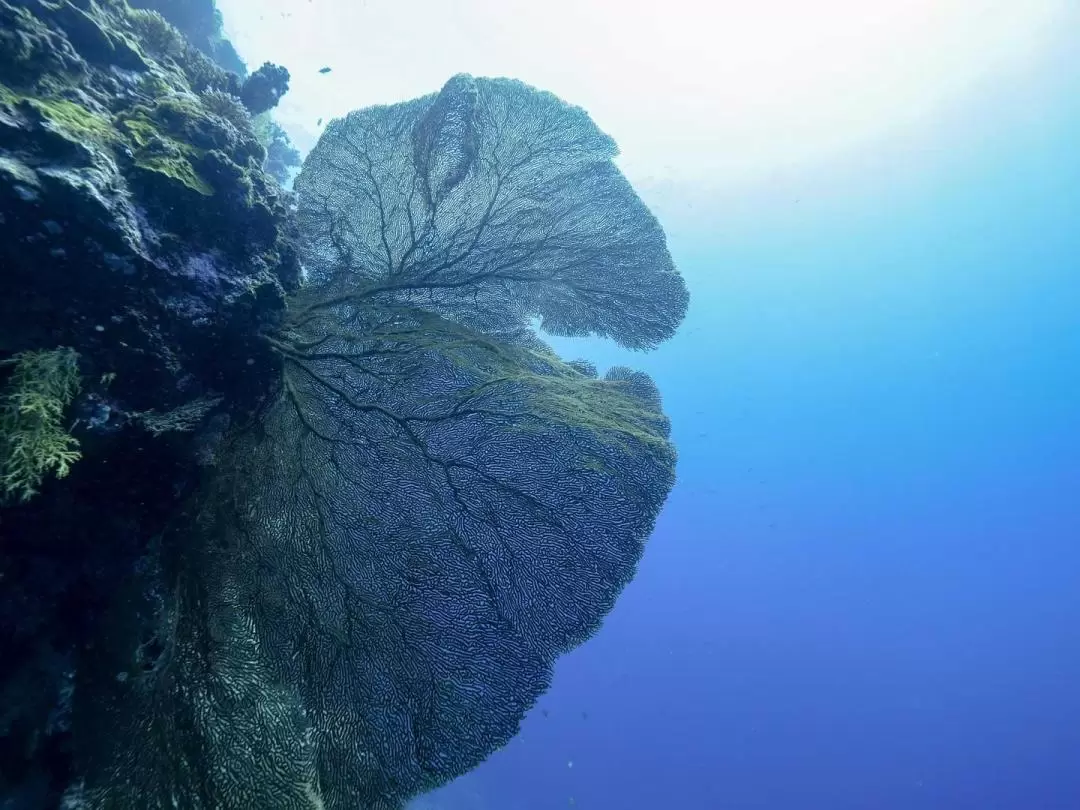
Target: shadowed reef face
x,y
372,587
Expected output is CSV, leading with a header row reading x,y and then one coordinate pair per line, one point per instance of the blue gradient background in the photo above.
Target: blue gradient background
x,y
863,592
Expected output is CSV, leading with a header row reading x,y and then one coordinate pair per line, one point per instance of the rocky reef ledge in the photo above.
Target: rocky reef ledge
x,y
145,251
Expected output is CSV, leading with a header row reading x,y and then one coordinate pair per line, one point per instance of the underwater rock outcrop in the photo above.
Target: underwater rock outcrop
x,y
139,197
200,23
140,233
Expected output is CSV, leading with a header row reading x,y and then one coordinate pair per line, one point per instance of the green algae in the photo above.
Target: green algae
x,y
155,151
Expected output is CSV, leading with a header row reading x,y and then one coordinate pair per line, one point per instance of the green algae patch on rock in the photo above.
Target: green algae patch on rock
x,y
73,127
154,151
176,168
178,137
74,119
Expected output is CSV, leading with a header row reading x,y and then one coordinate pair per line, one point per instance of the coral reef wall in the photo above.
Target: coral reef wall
x,y
200,22
140,233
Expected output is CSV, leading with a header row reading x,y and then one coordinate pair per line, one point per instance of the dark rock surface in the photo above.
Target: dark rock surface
x,y
139,229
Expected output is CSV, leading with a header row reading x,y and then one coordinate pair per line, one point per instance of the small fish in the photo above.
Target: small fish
x,y
318,123
324,70
545,712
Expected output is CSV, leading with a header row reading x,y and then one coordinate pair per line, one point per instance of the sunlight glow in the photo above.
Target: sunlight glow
x,y
691,90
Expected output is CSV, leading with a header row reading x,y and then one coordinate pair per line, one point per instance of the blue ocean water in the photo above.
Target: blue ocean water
x,y
863,591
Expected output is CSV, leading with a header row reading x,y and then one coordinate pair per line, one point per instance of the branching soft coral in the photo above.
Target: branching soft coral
x,y
33,441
